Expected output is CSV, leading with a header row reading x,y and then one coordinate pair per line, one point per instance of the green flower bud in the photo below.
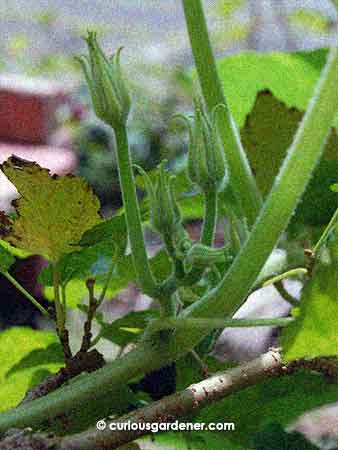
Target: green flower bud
x,y
165,216
201,255
110,97
206,159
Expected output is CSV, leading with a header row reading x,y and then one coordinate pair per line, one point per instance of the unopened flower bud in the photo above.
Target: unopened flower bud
x,y
165,216
206,160
110,97
203,256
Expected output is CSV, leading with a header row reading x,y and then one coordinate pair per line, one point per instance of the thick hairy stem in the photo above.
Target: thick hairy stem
x,y
135,363
286,192
241,178
138,250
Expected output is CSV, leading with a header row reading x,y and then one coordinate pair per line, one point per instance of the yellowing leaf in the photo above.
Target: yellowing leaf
x,y
53,211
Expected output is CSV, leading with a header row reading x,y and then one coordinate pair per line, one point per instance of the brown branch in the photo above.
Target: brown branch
x,y
87,329
172,407
177,405
81,362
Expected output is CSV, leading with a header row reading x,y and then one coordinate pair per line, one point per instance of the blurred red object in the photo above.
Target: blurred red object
x,y
28,109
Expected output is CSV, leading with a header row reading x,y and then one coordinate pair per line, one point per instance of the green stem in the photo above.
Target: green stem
x,y
326,232
242,181
282,276
138,250
106,285
210,324
285,294
145,358
60,317
278,209
25,293
210,217
64,300
60,313
207,235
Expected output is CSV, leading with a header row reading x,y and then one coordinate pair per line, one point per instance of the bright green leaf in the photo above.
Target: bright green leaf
x,y
16,343
290,76
54,212
314,332
53,354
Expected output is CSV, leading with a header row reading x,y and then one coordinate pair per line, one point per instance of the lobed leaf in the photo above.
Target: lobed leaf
x,y
53,212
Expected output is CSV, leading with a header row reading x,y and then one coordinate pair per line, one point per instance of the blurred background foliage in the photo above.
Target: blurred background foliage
x,y
41,38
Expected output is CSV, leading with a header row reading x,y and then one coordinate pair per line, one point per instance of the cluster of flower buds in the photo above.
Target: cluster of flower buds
x,y
207,166
108,90
165,216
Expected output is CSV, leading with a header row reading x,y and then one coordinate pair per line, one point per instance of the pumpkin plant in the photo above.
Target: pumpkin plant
x,y
198,288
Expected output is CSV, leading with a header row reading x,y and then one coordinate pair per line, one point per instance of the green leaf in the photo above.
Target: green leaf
x,y
266,136
89,262
53,354
16,343
126,329
314,332
112,230
96,264
279,400
6,259
273,437
76,290
290,76
54,212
